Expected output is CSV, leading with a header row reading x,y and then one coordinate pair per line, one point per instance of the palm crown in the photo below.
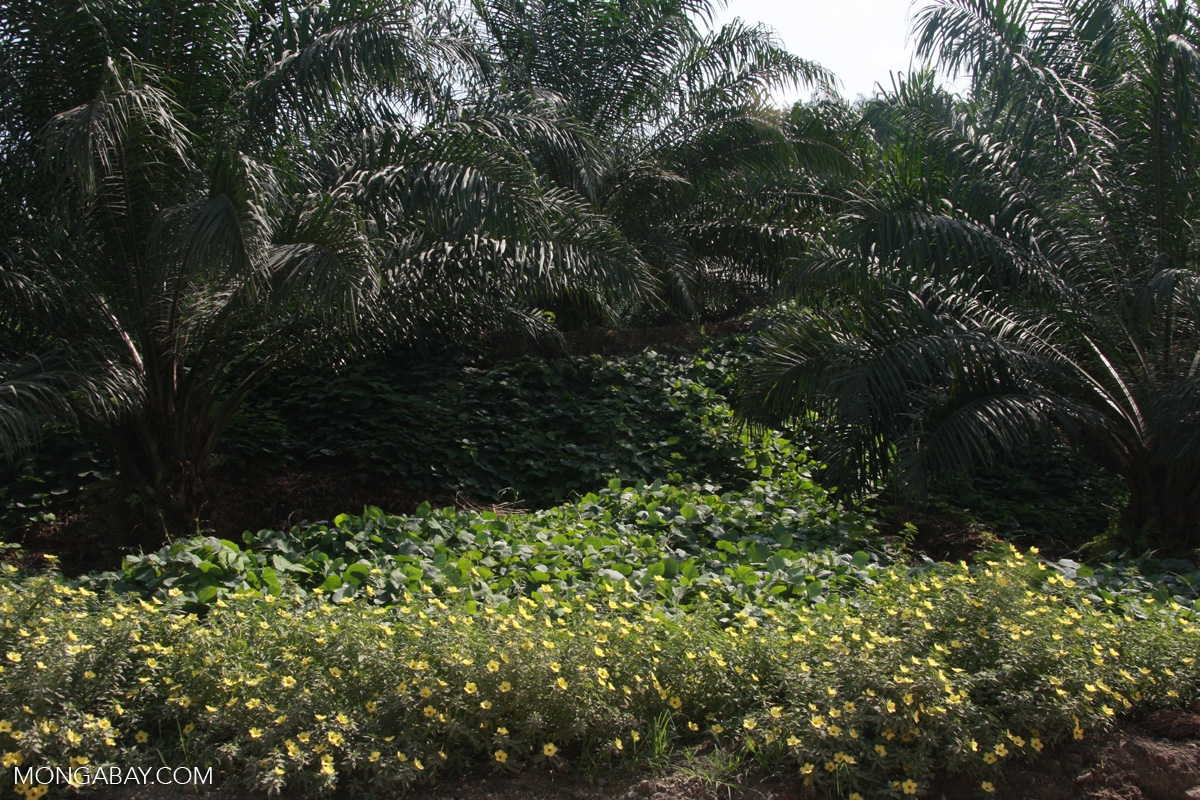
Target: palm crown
x,y
1026,261
231,179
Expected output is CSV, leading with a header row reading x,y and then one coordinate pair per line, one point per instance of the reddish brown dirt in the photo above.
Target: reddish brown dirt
x,y
942,537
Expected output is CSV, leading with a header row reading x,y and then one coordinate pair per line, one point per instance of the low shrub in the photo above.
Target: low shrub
x,y
534,430
933,668
780,539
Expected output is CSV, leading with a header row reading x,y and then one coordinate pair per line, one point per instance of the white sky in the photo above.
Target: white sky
x,y
859,40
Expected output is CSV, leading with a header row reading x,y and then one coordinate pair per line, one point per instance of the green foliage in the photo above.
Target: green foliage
x,y
535,430
1021,268
262,189
1051,494
777,542
700,177
65,468
930,670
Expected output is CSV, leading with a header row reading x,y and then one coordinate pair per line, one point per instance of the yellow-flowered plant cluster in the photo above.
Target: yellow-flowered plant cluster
x,y
945,668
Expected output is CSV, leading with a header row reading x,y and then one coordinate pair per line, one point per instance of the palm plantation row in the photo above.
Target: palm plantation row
x,y
197,197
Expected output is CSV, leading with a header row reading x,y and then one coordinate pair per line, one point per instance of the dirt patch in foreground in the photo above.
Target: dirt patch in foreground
x,y
1158,759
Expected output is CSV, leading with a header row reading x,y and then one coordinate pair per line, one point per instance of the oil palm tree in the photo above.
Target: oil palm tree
x,y
1023,266
227,180
699,173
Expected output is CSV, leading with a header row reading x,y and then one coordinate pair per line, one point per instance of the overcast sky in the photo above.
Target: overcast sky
x,y
860,40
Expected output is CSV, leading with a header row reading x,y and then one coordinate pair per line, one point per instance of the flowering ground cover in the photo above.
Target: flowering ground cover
x,y
930,669
757,621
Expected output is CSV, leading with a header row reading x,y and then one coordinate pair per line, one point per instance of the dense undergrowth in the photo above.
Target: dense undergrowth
x,y
732,602
533,430
929,669
672,542
536,432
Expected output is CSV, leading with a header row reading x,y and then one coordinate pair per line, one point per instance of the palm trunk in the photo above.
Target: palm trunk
x,y
1163,512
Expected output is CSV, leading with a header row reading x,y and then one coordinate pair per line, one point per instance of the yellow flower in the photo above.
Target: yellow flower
x,y
288,681
1078,734
505,686
549,749
372,706
255,733
375,754
292,748
89,674
470,688
493,666
501,756
14,657
718,729
188,728
430,711
426,692
1036,744
880,750
909,786
342,719
562,683
987,786
749,723
555,666
142,737
989,758
1000,749
335,738
891,707
675,702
